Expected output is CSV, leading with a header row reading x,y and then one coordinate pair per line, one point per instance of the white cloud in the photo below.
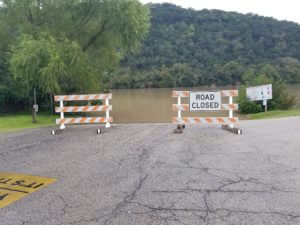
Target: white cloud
x,y
279,9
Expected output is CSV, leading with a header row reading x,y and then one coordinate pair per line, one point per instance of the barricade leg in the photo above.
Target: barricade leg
x,y
179,127
231,111
107,114
62,125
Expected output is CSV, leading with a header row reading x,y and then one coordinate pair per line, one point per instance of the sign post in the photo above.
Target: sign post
x,y
33,107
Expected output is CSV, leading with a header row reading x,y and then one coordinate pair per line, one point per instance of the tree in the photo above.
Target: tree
x,y
54,44
51,65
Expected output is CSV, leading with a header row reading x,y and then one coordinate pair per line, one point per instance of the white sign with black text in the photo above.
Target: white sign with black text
x,y
260,93
205,101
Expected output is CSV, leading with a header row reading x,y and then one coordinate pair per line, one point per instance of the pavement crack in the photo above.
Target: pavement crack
x,y
126,200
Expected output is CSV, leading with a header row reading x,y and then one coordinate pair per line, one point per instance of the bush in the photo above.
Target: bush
x,y
281,99
245,105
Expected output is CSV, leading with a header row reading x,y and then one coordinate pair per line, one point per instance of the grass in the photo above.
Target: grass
x,y
275,114
14,122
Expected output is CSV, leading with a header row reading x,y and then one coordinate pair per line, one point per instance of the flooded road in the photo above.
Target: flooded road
x,y
155,105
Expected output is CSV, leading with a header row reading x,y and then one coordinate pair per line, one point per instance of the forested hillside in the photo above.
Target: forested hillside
x,y
186,48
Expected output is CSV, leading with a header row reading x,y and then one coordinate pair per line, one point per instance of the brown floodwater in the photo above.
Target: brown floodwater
x,y
154,105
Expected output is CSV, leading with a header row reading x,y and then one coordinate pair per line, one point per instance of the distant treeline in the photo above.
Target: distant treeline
x,y
185,47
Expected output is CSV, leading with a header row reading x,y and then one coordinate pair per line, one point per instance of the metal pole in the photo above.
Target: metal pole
x,y
33,109
179,111
34,95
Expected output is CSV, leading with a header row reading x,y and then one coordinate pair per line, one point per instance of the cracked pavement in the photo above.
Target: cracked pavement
x,y
142,174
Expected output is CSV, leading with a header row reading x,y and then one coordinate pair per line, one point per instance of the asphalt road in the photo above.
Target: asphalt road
x,y
144,174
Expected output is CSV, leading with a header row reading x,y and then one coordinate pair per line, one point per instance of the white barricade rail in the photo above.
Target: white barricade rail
x,y
80,120
229,121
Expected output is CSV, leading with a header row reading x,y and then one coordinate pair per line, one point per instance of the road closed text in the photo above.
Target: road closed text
x,y
205,101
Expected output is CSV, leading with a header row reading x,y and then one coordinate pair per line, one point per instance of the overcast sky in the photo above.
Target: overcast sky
x,y
279,9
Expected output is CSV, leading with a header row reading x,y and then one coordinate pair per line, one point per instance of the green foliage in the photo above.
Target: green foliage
x,y
219,45
275,114
50,65
61,46
245,105
178,75
281,100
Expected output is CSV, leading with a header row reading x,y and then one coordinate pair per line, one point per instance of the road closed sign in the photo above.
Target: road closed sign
x,y
205,101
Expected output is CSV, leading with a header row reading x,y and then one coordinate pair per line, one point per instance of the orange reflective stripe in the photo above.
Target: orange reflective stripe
x,y
186,93
209,120
186,107
231,106
186,120
197,120
174,94
93,120
82,120
95,108
85,109
232,120
220,120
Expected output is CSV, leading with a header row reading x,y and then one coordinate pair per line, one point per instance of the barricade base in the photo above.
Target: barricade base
x,y
232,130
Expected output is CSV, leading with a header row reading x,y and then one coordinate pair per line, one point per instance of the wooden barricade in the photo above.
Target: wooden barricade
x,y
87,120
225,121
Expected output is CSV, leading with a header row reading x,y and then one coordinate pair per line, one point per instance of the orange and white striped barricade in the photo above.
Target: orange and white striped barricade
x,y
227,122
80,120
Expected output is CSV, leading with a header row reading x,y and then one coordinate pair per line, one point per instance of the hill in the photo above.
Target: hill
x,y
186,47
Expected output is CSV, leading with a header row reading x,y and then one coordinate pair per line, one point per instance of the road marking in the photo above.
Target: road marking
x,y
14,186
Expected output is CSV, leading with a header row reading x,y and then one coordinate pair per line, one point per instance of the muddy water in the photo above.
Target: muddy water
x,y
294,89
155,105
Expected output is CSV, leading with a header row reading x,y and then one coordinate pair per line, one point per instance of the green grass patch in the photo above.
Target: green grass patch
x,y
14,122
274,114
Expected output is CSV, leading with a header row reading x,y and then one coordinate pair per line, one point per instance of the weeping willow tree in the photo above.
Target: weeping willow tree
x,y
63,46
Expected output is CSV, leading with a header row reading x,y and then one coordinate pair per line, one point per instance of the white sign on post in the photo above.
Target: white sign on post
x,y
259,93
205,101
36,108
